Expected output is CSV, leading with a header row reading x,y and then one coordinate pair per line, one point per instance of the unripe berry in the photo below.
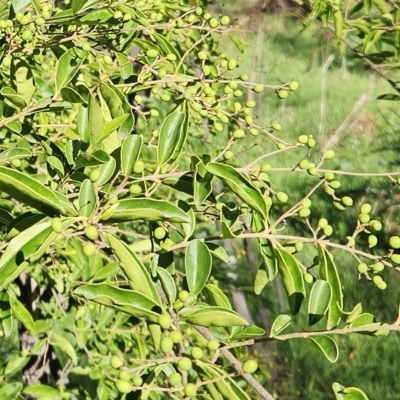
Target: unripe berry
x,y
213,345
228,155
250,104
378,267
304,164
154,113
95,175
329,154
124,376
322,223
277,127
377,279
311,143
118,14
166,345
364,218
302,139
152,53
258,88
372,241
123,386
232,64
16,162
159,233
183,295
196,353
176,336
283,94
394,242
135,189
238,134
365,208
202,55
328,230
347,201
395,258
382,285
308,278
107,60
190,390
56,225
282,197
250,366
91,232
304,212
175,379
164,321
362,268
213,22
6,62
137,381
185,363
26,35
206,70
40,21
375,225
138,167
225,20
294,85
116,362
89,249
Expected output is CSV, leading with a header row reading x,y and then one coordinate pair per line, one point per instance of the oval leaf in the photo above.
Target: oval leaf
x,y
239,185
169,136
216,316
328,346
280,323
197,266
350,393
22,315
168,284
130,151
318,303
65,346
87,198
68,65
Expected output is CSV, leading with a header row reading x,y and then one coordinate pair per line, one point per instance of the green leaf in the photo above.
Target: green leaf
x,y
239,185
350,393
5,218
110,127
138,276
197,266
106,171
168,284
202,182
216,316
23,315
22,80
217,251
249,332
77,5
219,297
13,97
169,136
68,65
130,151
16,364
65,346
87,198
55,163
148,210
328,346
19,249
96,120
280,324
237,41
125,65
108,270
32,193
128,301
168,48
78,94
329,273
8,155
292,279
11,390
260,281
42,391
318,303
367,5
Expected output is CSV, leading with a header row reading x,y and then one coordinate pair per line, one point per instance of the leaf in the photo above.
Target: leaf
x,y
329,273
65,346
77,5
148,210
169,136
216,316
318,303
10,391
13,97
108,270
367,5
42,391
130,151
219,297
260,281
389,96
125,65
12,261
16,364
197,266
249,333
128,301
280,324
28,191
328,346
106,171
292,279
239,185
23,315
22,80
237,41
96,120
137,274
110,127
217,251
68,65
350,393
168,284
87,198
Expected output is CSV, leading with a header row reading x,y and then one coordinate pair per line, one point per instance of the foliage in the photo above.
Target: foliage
x,y
119,183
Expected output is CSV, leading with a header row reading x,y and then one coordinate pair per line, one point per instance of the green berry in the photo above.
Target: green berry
x,y
335,184
26,35
238,134
137,381
6,62
347,201
304,212
378,267
366,208
138,167
258,88
183,295
250,104
89,249
250,366
95,175
86,47
166,345
228,155
225,20
395,258
91,232
394,242
213,345
116,362
135,189
123,386
330,176
266,168
283,94
202,55
16,162
118,14
372,241
152,53
362,268
294,85
329,154
382,285
308,278
377,279
164,321
107,60
364,218
40,21
25,19
175,379
124,376
282,197
176,336
196,353
311,143
171,57
206,70
253,131
328,230
375,225
322,223
185,363
159,233
313,171
56,225
304,164
302,139
213,22
277,127
190,390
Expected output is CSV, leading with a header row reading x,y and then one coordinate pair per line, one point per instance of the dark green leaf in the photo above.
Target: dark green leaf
x,y
87,198
216,316
130,151
68,65
168,284
106,171
318,303
10,391
22,80
219,297
197,266
328,347
169,136
280,323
